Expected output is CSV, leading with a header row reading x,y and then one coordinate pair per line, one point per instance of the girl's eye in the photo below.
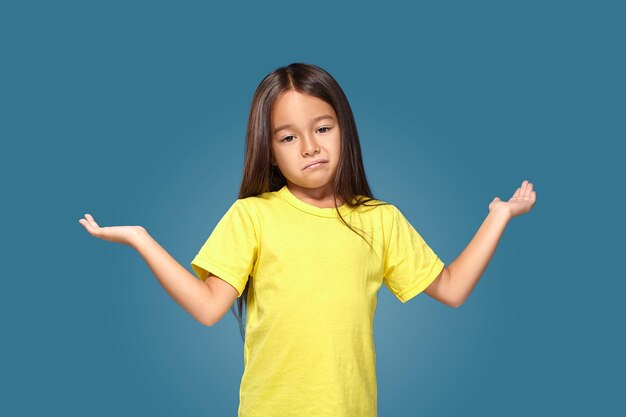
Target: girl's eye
x,y
289,141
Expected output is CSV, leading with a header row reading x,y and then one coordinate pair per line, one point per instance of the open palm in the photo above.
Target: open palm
x,y
521,202
118,234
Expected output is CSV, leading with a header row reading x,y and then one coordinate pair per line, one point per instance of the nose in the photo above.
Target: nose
x,y
309,147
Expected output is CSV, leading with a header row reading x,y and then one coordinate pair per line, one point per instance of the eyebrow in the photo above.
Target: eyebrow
x,y
315,119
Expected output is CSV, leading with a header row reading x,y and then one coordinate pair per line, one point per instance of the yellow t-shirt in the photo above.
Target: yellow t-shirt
x,y
309,346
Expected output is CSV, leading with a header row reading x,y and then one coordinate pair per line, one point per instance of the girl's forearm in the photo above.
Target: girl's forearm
x,y
190,293
468,267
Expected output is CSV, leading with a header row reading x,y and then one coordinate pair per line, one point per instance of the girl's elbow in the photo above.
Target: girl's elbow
x,y
206,318
457,303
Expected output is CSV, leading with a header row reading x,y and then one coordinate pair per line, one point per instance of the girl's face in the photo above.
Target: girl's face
x,y
304,130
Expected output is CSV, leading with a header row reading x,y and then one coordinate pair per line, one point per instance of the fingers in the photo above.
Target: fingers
x,y
522,193
91,220
526,192
90,224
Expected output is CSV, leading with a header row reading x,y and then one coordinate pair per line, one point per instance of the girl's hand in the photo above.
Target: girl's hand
x,y
522,201
118,234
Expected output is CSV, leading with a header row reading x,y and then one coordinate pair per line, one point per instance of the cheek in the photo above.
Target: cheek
x,y
277,154
338,146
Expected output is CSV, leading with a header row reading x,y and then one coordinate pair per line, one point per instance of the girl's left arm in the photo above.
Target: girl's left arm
x,y
458,279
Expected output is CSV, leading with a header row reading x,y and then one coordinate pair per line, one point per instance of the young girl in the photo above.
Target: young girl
x,y
307,247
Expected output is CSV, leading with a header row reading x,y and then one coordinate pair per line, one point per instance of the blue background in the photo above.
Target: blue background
x,y
135,112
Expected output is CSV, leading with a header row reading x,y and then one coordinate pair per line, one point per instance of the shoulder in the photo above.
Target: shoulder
x,y
258,203
379,204
383,211
392,211
261,208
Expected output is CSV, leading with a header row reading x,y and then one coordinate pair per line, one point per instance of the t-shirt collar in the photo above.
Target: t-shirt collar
x,y
288,196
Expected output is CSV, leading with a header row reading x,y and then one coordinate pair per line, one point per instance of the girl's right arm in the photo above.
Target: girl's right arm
x,y
194,295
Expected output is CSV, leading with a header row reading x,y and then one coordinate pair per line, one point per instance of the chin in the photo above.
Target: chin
x,y
309,184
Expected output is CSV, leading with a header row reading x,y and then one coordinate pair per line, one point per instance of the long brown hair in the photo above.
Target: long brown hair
x,y
260,176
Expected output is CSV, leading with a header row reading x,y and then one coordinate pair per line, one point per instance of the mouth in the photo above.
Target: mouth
x,y
315,164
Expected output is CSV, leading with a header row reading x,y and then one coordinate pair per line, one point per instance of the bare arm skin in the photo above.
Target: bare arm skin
x,y
189,292
455,283
206,302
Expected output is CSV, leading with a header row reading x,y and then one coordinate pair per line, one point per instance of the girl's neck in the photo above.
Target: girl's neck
x,y
320,197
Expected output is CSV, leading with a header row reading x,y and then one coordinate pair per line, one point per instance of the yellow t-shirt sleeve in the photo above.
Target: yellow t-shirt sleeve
x,y
410,265
231,250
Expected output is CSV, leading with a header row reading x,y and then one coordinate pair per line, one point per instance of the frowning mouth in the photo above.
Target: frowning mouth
x,y
315,164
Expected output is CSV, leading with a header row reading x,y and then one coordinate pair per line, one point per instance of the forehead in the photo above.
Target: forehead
x,y
296,107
